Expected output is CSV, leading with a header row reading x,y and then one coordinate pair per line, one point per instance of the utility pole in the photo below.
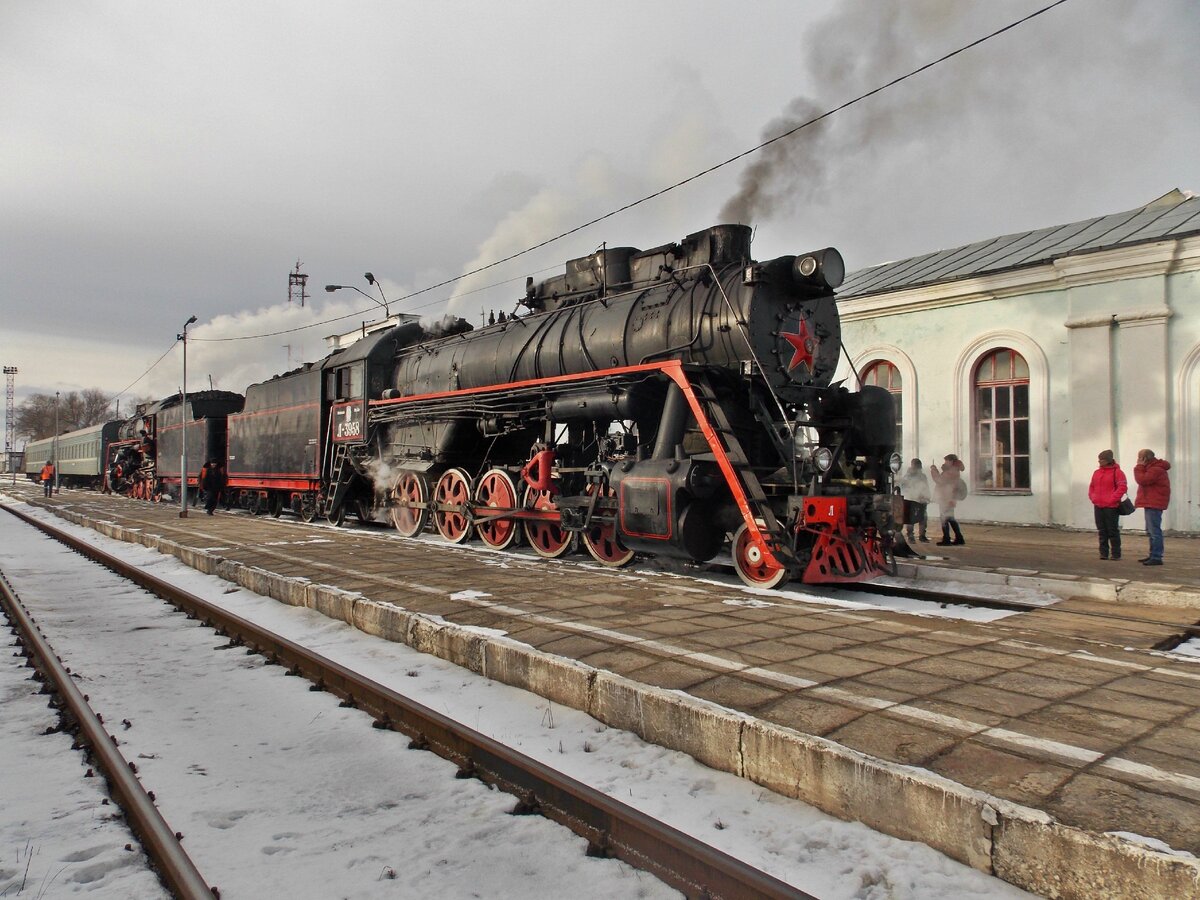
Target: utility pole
x,y
10,375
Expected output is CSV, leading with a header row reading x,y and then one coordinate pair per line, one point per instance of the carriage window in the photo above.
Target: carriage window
x,y
885,375
1002,422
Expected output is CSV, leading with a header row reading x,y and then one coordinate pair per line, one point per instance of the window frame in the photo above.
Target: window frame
x,y
1008,409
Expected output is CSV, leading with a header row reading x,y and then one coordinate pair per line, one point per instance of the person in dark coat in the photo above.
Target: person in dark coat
x,y
212,482
1106,490
1153,497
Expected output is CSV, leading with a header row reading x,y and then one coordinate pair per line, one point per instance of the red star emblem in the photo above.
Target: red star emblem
x,y
803,345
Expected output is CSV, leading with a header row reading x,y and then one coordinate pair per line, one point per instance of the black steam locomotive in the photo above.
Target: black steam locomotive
x,y
663,401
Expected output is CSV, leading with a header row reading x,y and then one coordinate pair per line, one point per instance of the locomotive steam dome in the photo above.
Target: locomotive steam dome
x,y
702,301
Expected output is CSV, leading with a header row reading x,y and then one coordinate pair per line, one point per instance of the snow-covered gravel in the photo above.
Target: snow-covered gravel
x,y
280,792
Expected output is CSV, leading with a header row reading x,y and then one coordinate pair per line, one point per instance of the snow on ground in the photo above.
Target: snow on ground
x,y
1189,648
367,807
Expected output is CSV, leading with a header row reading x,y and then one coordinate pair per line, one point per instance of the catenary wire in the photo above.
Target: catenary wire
x,y
708,171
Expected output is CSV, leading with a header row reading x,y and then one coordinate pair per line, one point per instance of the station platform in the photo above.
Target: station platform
x,y
1055,748
1067,563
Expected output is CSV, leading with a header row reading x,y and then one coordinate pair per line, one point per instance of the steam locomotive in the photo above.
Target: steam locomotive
x,y
673,401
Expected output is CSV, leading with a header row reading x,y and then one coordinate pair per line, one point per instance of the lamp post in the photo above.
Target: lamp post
x,y
370,280
183,472
54,452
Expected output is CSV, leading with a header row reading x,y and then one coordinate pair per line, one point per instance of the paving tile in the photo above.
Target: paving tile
x,y
922,646
837,665
1158,711
878,654
620,660
1089,721
973,718
819,641
1066,669
1167,762
877,691
1172,739
1001,773
952,668
1158,689
992,700
1041,738
889,738
962,638
1103,804
674,675
671,628
736,693
774,651
574,646
799,670
807,714
1035,685
902,679
989,657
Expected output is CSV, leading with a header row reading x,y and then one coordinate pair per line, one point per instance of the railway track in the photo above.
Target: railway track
x,y
160,841
611,828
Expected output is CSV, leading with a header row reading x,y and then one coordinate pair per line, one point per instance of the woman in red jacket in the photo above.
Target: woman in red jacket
x,y
1153,496
1106,490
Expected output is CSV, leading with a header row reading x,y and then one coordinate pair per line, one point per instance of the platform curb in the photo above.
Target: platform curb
x,y
1023,846
1112,590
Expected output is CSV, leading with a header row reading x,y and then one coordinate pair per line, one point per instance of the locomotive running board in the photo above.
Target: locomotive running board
x,y
743,484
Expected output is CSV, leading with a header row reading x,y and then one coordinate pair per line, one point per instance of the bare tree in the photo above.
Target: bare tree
x,y
36,414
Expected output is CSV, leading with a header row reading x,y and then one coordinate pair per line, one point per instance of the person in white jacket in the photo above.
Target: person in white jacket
x,y
914,488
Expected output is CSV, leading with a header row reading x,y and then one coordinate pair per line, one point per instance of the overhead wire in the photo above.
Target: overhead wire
x,y
708,171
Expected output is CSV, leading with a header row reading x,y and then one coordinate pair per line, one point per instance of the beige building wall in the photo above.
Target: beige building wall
x,y
1112,340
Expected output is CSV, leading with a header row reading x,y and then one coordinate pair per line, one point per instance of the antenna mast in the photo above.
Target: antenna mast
x,y
297,286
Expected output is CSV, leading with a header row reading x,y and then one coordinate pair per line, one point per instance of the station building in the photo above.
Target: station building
x,y
1028,354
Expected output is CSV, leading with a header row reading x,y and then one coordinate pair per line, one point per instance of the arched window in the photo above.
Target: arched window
x,y
1002,422
885,375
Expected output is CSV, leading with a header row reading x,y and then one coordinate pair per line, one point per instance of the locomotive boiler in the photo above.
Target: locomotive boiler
x,y
671,401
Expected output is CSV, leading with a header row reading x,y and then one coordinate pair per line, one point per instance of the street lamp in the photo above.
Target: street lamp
x,y
183,472
54,452
370,280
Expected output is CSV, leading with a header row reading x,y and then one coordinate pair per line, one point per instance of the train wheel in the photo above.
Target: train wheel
x,y
497,491
603,543
275,504
751,565
254,504
308,508
453,497
362,510
546,538
410,488
336,516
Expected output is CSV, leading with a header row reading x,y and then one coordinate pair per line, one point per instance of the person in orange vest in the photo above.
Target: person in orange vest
x,y
48,477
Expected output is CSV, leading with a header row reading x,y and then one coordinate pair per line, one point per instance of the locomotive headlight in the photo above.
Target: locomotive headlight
x,y
823,459
822,269
895,461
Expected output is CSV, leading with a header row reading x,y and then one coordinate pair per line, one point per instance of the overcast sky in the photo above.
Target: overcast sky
x,y
166,159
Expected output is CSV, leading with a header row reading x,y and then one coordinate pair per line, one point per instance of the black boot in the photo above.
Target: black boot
x,y
958,538
945,541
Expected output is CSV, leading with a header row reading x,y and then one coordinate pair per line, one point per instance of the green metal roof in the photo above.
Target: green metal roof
x,y
1171,216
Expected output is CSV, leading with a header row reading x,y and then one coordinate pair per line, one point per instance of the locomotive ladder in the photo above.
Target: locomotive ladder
x,y
756,498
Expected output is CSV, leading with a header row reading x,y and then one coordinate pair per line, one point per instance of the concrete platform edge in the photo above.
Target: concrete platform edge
x,y
1114,590
1019,844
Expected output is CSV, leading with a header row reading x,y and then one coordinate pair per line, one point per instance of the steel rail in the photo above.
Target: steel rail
x,y
170,860
611,828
